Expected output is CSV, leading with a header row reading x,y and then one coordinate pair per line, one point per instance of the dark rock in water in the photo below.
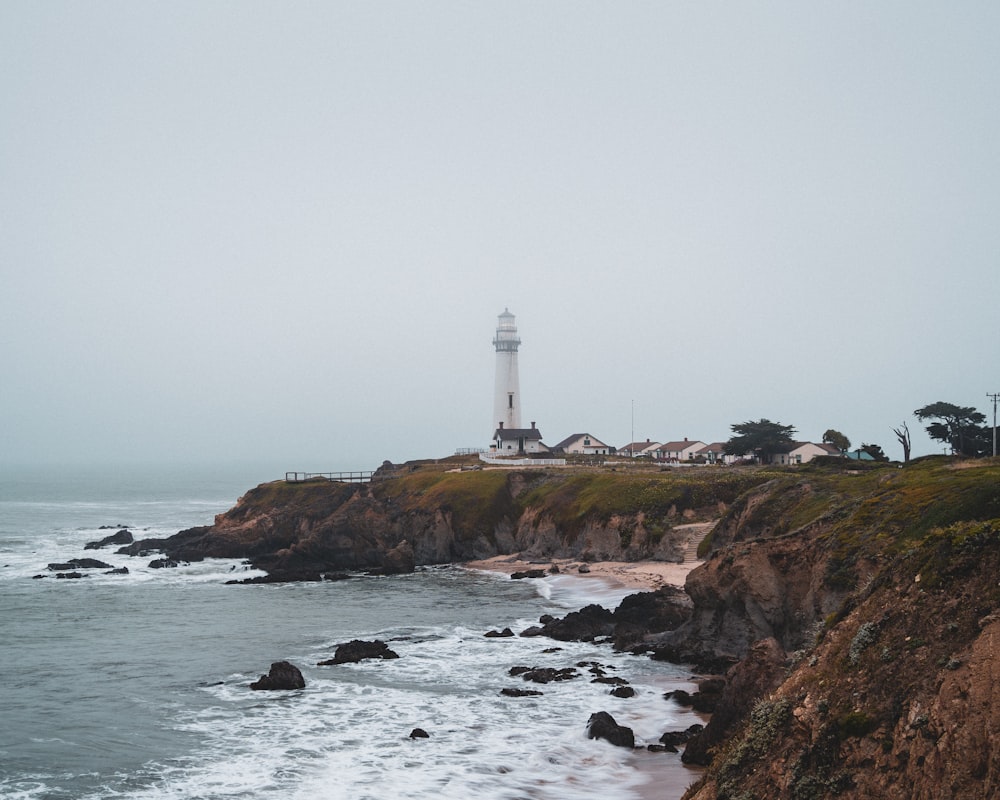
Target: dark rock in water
x,y
623,691
528,573
681,697
163,563
594,667
400,560
118,571
646,613
124,536
703,701
505,633
544,674
611,680
114,527
358,650
419,733
603,726
552,650
582,626
534,630
583,569
671,740
279,577
545,619
282,676
69,574
79,563
637,616
520,692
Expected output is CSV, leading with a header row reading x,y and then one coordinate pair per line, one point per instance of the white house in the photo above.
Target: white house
x,y
684,450
645,449
803,453
583,443
715,453
517,441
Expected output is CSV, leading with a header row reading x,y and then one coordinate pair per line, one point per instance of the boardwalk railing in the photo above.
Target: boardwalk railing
x,y
340,477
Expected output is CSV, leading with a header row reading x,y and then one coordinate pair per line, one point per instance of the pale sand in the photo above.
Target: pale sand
x,y
645,575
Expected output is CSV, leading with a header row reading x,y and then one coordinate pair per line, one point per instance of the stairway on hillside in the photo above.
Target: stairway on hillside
x,y
699,531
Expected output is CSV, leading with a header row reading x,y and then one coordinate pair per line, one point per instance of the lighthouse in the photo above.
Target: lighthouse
x,y
507,391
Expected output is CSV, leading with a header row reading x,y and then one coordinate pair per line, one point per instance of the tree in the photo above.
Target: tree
x,y
837,439
960,427
903,435
762,438
875,451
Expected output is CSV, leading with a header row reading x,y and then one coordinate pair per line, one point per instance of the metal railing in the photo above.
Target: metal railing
x,y
363,476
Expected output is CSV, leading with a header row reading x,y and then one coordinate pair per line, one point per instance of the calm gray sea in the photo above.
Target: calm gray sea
x,y
136,685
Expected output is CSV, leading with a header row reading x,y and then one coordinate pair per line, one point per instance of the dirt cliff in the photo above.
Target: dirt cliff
x,y
882,589
446,514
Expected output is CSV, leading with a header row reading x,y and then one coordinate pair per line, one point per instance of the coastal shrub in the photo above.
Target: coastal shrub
x,y
865,637
476,500
855,724
768,720
574,500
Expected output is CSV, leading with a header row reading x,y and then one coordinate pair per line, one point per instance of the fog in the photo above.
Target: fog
x,y
282,232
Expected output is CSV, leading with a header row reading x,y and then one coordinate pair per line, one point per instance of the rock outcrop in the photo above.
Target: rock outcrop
x,y
424,515
603,726
282,676
124,536
79,563
357,650
637,617
881,587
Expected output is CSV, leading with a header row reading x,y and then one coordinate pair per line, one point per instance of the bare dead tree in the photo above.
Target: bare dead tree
x,y
903,435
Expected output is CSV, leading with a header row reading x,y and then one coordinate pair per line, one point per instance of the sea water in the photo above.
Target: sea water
x,y
136,686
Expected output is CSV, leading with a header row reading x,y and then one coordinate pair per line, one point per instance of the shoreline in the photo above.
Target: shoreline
x,y
663,778
639,575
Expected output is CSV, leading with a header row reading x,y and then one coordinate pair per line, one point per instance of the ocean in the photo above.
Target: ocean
x,y
136,686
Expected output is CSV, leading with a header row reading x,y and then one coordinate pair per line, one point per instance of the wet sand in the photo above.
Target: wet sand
x,y
638,575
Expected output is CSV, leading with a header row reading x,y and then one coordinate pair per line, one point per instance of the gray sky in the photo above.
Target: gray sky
x,y
282,231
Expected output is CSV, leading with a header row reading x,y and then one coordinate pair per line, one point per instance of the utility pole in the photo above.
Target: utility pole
x,y
633,430
994,397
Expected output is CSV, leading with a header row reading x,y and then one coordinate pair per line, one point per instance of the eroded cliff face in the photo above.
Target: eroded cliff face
x,y
900,698
319,526
884,596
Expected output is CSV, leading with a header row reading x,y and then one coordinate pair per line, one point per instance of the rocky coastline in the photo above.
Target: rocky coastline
x,y
844,619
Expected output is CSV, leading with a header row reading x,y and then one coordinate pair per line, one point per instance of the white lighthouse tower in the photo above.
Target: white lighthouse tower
x,y
507,391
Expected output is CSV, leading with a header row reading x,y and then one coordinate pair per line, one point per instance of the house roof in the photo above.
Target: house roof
x,y
671,446
512,434
714,447
594,441
639,447
791,447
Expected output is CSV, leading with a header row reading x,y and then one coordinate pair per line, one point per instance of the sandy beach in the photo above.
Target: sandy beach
x,y
638,575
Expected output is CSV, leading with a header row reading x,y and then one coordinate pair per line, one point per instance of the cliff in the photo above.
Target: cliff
x,y
442,514
878,592
855,611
